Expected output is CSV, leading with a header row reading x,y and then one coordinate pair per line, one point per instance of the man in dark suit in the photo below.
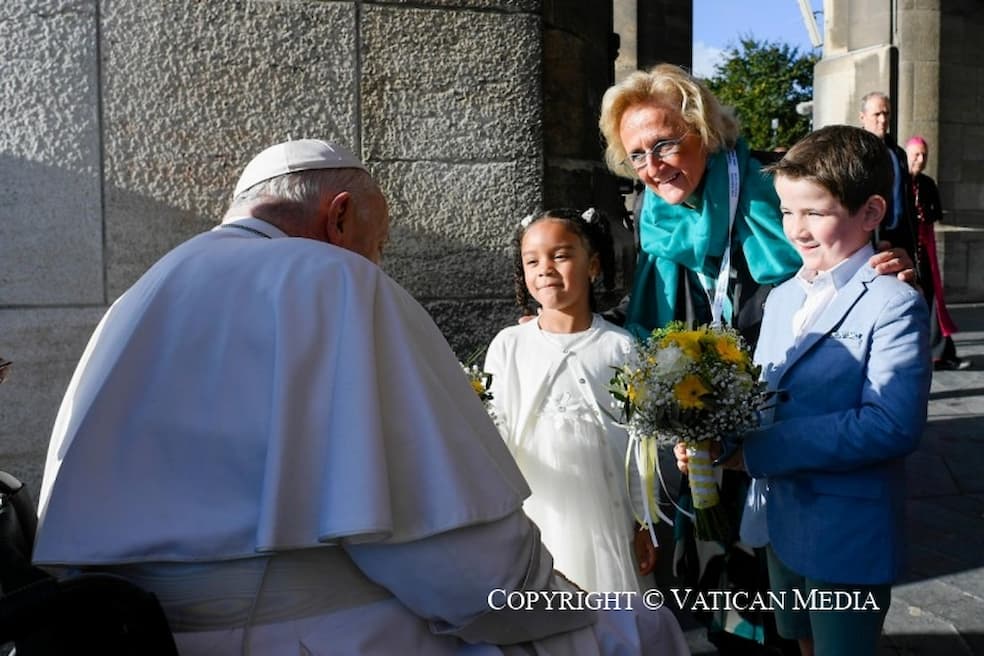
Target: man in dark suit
x,y
899,224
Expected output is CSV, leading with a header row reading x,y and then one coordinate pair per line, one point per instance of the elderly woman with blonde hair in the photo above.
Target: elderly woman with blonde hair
x,y
704,190
711,246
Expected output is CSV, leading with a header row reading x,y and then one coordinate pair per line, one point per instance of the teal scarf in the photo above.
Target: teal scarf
x,y
676,235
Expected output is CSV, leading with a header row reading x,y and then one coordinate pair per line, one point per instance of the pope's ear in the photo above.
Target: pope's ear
x,y
334,217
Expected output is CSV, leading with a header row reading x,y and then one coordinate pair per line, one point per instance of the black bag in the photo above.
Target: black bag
x,y
86,613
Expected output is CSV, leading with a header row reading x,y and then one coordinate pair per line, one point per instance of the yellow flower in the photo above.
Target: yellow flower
x,y
478,386
729,351
635,387
689,390
687,340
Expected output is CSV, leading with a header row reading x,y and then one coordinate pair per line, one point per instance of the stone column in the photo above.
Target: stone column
x,y
665,32
859,55
959,158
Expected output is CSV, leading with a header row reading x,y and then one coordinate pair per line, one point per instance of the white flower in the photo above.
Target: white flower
x,y
671,361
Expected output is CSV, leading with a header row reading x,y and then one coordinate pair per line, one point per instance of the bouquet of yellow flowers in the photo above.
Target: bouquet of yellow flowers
x,y
480,381
692,386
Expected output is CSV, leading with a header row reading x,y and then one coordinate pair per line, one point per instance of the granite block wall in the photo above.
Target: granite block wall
x,y
124,126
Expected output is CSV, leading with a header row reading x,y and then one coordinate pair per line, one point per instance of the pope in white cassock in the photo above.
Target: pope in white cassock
x,y
271,435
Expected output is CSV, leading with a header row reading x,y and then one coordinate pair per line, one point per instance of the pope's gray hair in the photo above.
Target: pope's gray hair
x,y
303,192
306,187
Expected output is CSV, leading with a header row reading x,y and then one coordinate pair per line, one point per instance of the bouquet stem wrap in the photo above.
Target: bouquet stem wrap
x,y
710,516
703,486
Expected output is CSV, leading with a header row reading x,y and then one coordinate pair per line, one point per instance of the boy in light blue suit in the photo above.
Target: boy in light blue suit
x,y
850,350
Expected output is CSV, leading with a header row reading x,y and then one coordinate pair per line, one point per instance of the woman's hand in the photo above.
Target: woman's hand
x,y
735,461
645,551
682,458
893,260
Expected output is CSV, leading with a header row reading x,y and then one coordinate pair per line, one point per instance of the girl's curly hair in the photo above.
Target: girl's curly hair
x,y
595,234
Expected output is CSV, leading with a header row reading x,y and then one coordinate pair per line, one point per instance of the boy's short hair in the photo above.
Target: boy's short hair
x,y
851,163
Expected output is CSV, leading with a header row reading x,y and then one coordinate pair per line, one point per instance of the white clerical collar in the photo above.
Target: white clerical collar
x,y
838,274
254,225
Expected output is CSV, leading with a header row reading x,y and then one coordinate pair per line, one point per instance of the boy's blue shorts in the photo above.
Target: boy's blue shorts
x,y
806,611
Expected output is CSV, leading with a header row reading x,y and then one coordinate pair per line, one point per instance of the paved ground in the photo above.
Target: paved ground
x,y
938,609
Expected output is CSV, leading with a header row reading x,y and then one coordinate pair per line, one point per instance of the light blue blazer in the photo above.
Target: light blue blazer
x,y
856,388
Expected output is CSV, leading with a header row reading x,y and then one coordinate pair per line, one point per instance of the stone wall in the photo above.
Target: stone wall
x,y
859,55
52,255
124,126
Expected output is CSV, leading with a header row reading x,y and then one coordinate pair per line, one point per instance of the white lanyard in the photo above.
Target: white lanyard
x,y
720,291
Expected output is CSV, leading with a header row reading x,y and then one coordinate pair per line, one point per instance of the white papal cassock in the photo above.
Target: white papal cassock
x,y
274,437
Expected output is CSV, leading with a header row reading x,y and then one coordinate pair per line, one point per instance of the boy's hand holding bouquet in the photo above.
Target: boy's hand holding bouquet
x,y
692,386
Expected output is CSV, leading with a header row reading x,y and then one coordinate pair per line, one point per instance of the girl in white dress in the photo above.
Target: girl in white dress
x,y
550,394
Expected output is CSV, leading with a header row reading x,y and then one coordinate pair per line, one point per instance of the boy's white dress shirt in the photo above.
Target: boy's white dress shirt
x,y
821,288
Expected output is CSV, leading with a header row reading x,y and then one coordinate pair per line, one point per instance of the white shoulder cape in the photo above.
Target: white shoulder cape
x,y
252,394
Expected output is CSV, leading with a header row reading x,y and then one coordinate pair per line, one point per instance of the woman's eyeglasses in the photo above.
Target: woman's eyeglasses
x,y
661,149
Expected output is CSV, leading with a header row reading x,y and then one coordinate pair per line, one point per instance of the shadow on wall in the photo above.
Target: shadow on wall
x,y
466,288
54,258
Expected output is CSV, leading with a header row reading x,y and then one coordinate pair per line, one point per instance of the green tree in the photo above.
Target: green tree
x,y
762,81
